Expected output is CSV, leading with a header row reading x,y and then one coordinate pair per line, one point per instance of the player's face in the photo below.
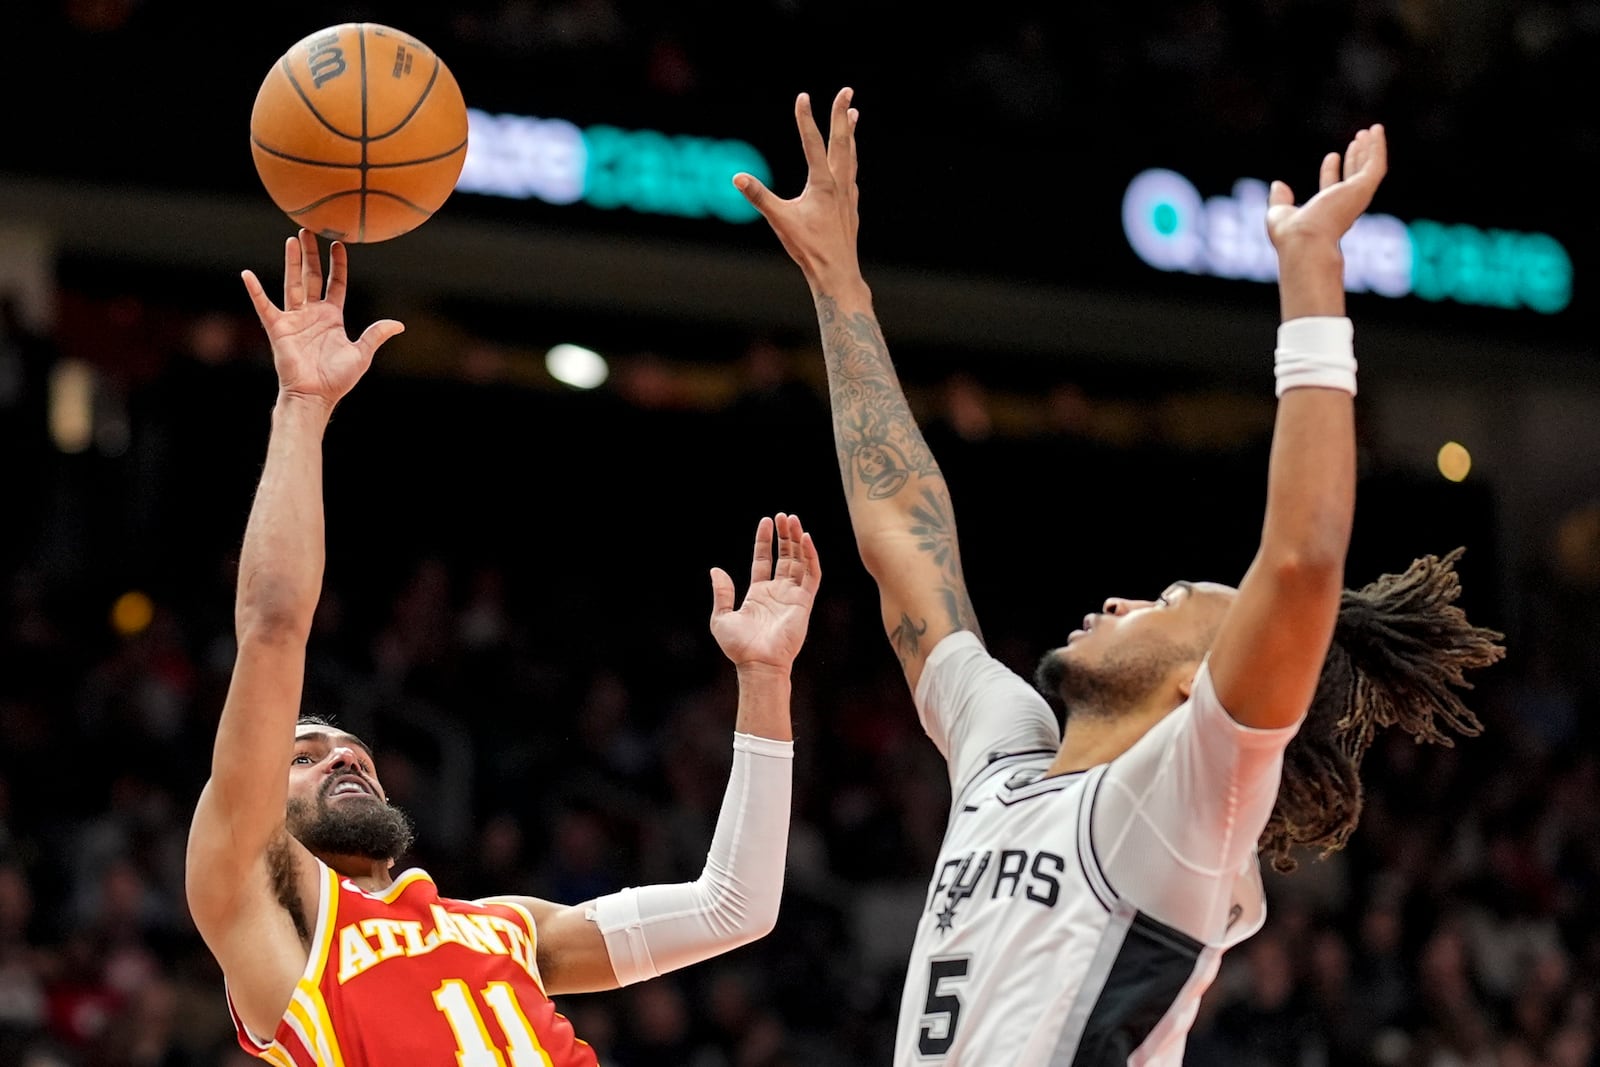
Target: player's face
x,y
1131,647
337,806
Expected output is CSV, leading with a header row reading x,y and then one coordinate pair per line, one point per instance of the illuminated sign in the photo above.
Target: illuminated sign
x,y
555,161
1171,227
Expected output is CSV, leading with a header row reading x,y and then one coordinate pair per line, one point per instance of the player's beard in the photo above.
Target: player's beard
x,y
1118,683
376,830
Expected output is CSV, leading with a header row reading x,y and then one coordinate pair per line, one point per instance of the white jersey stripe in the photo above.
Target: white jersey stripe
x,y
1094,981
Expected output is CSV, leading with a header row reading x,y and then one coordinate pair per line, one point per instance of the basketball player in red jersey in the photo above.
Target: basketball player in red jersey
x,y
330,958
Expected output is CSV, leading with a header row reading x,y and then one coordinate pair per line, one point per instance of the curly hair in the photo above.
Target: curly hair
x,y
1400,651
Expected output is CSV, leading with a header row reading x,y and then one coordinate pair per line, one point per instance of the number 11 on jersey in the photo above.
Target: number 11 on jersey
x,y
475,1049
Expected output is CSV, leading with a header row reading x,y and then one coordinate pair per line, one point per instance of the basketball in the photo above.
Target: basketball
x,y
359,132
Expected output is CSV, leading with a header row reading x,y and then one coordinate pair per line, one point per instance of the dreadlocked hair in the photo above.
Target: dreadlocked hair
x,y
1399,654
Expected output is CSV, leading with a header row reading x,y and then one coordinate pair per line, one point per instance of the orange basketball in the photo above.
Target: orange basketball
x,y
359,132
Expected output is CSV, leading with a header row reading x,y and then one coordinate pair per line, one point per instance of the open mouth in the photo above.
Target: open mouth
x,y
350,785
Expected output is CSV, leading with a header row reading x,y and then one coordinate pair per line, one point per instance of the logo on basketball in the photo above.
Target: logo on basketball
x,y
325,60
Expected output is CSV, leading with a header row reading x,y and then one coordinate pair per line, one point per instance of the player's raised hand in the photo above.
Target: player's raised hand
x,y
1347,185
818,227
770,626
311,351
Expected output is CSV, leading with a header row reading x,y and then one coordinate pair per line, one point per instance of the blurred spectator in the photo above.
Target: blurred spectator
x,y
552,734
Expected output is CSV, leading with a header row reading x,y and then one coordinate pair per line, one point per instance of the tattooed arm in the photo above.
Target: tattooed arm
x,y
899,502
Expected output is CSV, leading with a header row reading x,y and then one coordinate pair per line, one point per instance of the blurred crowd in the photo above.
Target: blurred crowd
x,y
516,597
515,615
1481,87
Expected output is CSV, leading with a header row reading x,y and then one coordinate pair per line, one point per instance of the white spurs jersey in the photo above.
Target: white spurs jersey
x,y
1075,920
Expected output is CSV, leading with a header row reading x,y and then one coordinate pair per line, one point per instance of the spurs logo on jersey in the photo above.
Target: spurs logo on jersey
x,y
408,976
1074,920
1036,875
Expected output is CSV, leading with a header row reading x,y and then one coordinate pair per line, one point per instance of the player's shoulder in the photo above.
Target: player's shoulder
x,y
961,667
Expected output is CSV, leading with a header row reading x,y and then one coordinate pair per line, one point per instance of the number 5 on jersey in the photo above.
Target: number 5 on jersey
x,y
472,1036
942,1010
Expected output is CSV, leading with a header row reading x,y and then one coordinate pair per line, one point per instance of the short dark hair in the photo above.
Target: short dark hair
x,y
1400,651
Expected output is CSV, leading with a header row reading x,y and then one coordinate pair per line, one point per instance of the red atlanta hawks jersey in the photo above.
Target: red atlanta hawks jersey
x,y
409,977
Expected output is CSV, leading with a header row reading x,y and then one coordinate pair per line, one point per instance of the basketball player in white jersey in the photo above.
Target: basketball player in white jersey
x,y
1089,883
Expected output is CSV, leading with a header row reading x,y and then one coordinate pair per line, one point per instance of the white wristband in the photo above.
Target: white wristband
x,y
1317,351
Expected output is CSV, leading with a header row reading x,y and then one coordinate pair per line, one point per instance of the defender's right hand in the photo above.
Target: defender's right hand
x,y
818,227
1324,219
310,350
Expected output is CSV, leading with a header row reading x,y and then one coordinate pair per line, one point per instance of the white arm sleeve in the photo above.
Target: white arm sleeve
x,y
973,706
1176,818
652,929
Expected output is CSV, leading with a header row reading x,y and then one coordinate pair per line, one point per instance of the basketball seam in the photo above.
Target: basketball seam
x,y
361,214
418,161
288,72
384,193
416,107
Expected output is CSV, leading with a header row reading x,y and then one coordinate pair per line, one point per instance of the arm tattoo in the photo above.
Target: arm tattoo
x,y
880,447
907,638
935,526
874,432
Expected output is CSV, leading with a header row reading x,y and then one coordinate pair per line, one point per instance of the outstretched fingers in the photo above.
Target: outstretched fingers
x,y
338,274
311,266
813,564
759,195
721,593
1370,153
294,283
1330,171
854,166
839,133
789,533
265,310
797,554
374,336
761,561
810,137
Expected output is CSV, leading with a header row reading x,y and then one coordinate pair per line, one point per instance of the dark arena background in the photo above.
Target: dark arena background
x,y
1060,211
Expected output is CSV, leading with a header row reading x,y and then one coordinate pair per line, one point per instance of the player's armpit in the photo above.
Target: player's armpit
x,y
257,925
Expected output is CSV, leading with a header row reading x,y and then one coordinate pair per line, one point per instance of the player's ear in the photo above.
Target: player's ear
x,y
1186,679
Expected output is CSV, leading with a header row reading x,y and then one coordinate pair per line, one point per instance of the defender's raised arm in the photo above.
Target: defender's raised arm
x,y
1270,648
899,502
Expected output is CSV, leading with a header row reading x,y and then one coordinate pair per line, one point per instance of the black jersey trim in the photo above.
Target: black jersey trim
x,y
1094,878
1094,853
1034,790
997,762
1133,985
